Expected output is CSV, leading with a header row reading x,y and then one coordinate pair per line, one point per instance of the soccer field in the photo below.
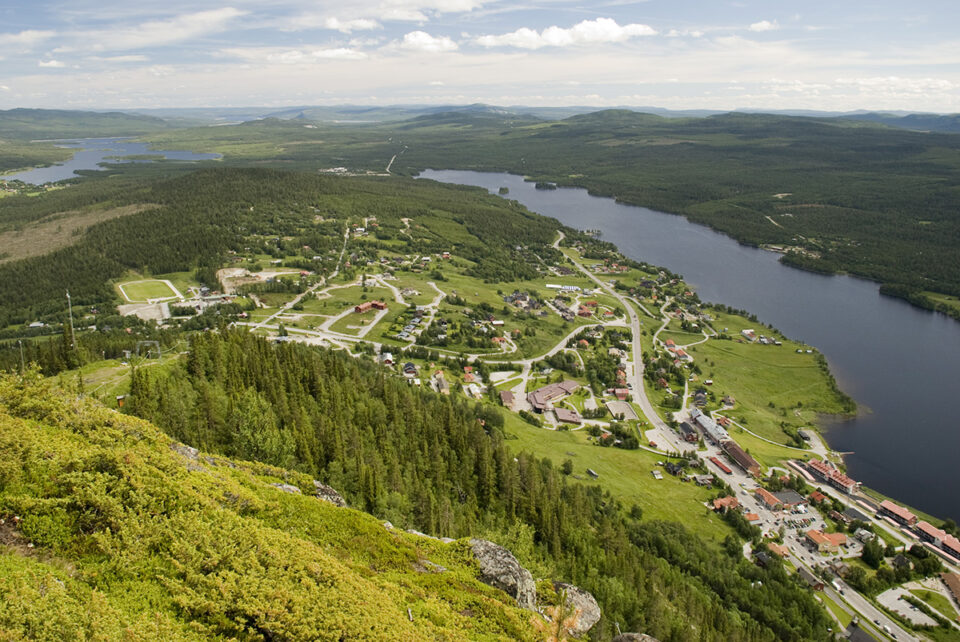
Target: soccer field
x,y
142,291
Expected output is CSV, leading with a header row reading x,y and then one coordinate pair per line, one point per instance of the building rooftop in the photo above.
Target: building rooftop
x,y
789,497
767,497
739,455
897,510
567,416
540,397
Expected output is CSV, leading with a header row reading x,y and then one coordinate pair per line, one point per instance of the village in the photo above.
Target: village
x,y
609,352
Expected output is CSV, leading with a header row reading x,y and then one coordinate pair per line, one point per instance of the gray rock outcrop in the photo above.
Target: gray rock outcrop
x,y
635,637
500,569
187,451
584,602
327,494
287,488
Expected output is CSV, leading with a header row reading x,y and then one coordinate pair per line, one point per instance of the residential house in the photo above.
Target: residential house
x,y
441,383
778,549
723,504
811,580
507,399
689,433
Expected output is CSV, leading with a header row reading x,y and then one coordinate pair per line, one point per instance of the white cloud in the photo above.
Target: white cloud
x,y
130,58
291,56
414,9
437,83
341,53
348,26
676,33
423,41
157,32
764,25
51,63
601,30
25,39
4,88
361,15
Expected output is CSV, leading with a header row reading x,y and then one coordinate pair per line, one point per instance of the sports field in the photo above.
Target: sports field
x,y
147,290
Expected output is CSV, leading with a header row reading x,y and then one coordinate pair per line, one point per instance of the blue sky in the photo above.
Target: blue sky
x,y
676,54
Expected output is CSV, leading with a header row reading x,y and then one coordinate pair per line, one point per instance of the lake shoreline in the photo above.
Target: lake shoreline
x,y
860,332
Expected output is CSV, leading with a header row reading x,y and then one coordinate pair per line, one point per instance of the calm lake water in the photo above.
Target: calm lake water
x,y
901,364
93,151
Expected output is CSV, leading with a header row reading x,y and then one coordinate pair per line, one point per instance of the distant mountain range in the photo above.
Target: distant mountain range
x,y
57,123
356,114
47,123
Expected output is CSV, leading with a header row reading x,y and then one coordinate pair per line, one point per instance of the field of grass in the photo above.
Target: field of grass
x,y
345,324
937,601
835,609
772,384
947,300
625,473
766,453
141,291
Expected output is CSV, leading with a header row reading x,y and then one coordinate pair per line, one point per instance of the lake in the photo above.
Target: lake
x,y
899,363
91,152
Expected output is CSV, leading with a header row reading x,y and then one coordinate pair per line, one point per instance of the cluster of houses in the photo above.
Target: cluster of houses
x,y
753,337
522,300
413,325
366,306
678,353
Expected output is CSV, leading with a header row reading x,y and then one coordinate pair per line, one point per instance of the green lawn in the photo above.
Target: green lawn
x,y
835,609
346,324
625,473
140,291
764,452
771,384
937,601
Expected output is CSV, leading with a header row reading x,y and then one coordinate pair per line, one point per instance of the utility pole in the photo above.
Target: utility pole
x,y
22,368
73,340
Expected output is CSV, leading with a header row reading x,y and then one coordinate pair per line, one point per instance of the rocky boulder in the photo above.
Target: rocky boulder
x,y
500,569
287,488
327,494
635,637
582,601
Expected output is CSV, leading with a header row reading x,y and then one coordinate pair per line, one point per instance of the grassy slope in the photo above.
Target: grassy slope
x,y
128,541
625,473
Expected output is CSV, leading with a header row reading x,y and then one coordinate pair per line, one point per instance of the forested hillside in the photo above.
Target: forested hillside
x,y
204,216
109,532
845,194
27,124
441,465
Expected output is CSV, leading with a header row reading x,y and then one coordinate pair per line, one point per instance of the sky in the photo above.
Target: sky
x,y
677,54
